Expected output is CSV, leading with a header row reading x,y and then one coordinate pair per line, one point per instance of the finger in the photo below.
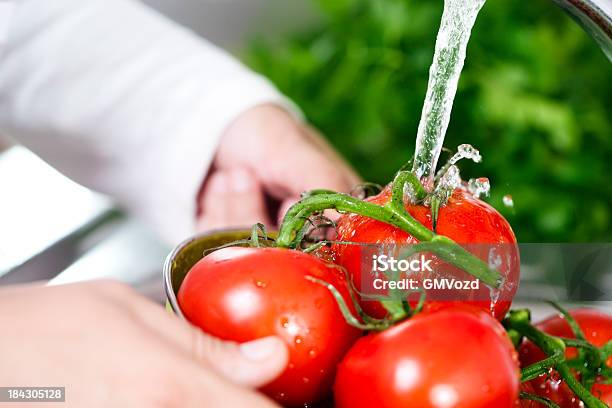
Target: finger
x,y
232,198
251,364
247,204
212,213
332,154
309,168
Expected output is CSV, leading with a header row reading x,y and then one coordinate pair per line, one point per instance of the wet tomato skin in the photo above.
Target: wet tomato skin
x,y
464,219
597,328
450,357
603,392
242,294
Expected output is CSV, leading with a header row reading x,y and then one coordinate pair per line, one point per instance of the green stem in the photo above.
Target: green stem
x,y
372,324
403,178
519,320
544,401
590,401
586,352
257,228
595,354
515,337
297,215
391,213
541,367
570,320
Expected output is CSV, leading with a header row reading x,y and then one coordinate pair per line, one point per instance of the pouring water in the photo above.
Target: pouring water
x,y
458,20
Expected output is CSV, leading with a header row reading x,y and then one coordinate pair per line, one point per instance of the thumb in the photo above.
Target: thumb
x,y
252,364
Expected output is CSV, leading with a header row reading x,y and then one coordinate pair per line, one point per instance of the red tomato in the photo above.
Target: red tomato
x,y
450,358
464,219
597,328
603,392
243,294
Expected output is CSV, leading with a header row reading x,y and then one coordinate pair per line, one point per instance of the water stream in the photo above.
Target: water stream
x,y
457,21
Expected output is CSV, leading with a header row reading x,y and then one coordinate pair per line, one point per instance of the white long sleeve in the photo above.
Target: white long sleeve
x,y
123,101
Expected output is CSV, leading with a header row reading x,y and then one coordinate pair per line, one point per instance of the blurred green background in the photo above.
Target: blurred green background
x,y
535,98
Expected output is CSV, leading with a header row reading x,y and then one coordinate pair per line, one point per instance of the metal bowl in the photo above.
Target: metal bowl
x,y
188,253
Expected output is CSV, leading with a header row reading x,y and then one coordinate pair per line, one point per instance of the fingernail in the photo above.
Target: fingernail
x,y
240,181
262,349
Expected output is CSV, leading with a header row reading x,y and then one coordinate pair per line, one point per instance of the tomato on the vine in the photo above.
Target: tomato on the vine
x,y
242,294
464,219
452,357
597,329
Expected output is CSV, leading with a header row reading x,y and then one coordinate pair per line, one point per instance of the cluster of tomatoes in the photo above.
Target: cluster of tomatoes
x,y
449,354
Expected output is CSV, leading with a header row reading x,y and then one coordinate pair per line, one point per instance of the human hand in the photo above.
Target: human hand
x,y
110,347
267,156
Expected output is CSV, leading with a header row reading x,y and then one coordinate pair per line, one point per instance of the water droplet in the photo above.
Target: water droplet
x,y
261,284
298,340
448,182
479,187
305,380
312,353
495,259
466,151
291,366
409,193
284,322
508,201
451,178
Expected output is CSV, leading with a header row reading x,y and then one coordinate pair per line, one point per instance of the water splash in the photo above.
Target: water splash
x,y
410,195
451,44
508,201
495,262
479,187
466,151
495,259
450,180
